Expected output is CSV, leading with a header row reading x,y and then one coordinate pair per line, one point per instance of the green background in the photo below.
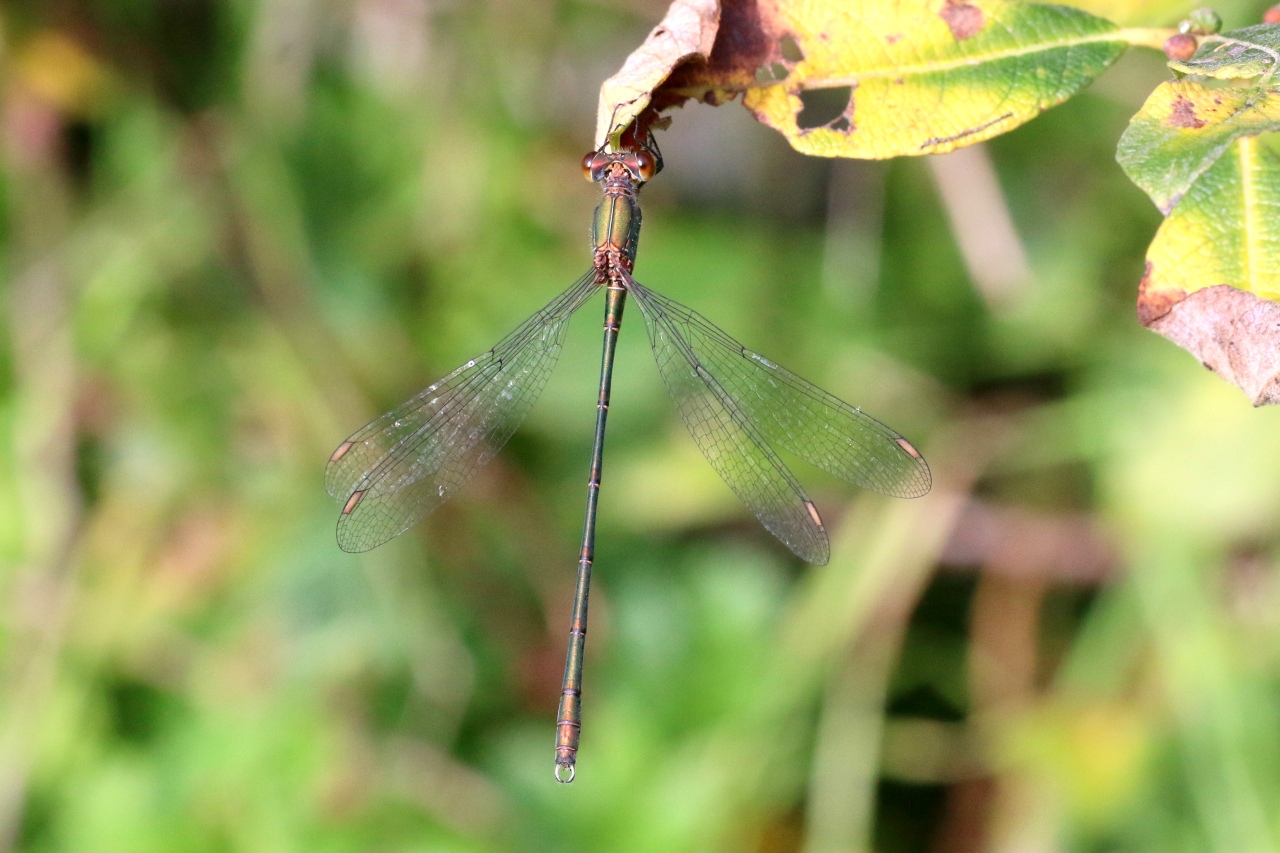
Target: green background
x,y
233,232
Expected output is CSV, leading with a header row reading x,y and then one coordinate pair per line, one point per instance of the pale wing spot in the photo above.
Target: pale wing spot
x,y
352,501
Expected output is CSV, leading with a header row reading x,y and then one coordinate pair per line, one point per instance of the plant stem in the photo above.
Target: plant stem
x,y
1153,37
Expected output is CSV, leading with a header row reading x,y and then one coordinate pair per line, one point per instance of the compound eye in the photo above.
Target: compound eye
x,y
593,165
646,165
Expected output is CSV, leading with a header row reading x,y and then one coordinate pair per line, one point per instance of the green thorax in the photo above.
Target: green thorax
x,y
617,225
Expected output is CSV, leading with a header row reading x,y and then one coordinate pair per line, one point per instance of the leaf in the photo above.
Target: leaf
x,y
1224,233
924,76
686,33
1238,54
1182,130
1233,333
899,77
1226,230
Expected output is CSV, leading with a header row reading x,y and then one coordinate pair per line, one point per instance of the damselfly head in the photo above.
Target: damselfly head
x,y
639,156
642,165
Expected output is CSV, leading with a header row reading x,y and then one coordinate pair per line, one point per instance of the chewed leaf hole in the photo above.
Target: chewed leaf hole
x,y
790,48
775,72
824,106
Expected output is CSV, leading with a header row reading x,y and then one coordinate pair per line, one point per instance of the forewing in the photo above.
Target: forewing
x,y
728,438
399,467
793,413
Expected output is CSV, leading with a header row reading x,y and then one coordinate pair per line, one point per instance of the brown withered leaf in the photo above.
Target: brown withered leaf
x,y
749,38
686,34
1233,333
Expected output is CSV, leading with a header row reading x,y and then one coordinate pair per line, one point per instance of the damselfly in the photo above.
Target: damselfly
x,y
737,404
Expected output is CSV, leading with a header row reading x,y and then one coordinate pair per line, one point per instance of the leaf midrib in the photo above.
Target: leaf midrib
x,y
899,71
1249,201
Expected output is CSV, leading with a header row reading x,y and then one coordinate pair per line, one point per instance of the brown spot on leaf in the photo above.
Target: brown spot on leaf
x,y
1154,301
1183,114
1233,333
964,21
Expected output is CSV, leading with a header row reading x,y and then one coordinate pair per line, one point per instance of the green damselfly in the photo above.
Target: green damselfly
x,y
737,404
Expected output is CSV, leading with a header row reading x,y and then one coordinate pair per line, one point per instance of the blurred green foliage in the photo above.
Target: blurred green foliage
x,y
232,232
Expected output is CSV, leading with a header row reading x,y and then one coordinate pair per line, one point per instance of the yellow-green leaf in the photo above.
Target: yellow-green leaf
x,y
1226,230
1182,130
926,76
1238,54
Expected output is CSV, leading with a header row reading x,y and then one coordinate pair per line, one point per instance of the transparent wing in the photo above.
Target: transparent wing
x,y
727,435
793,413
396,469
